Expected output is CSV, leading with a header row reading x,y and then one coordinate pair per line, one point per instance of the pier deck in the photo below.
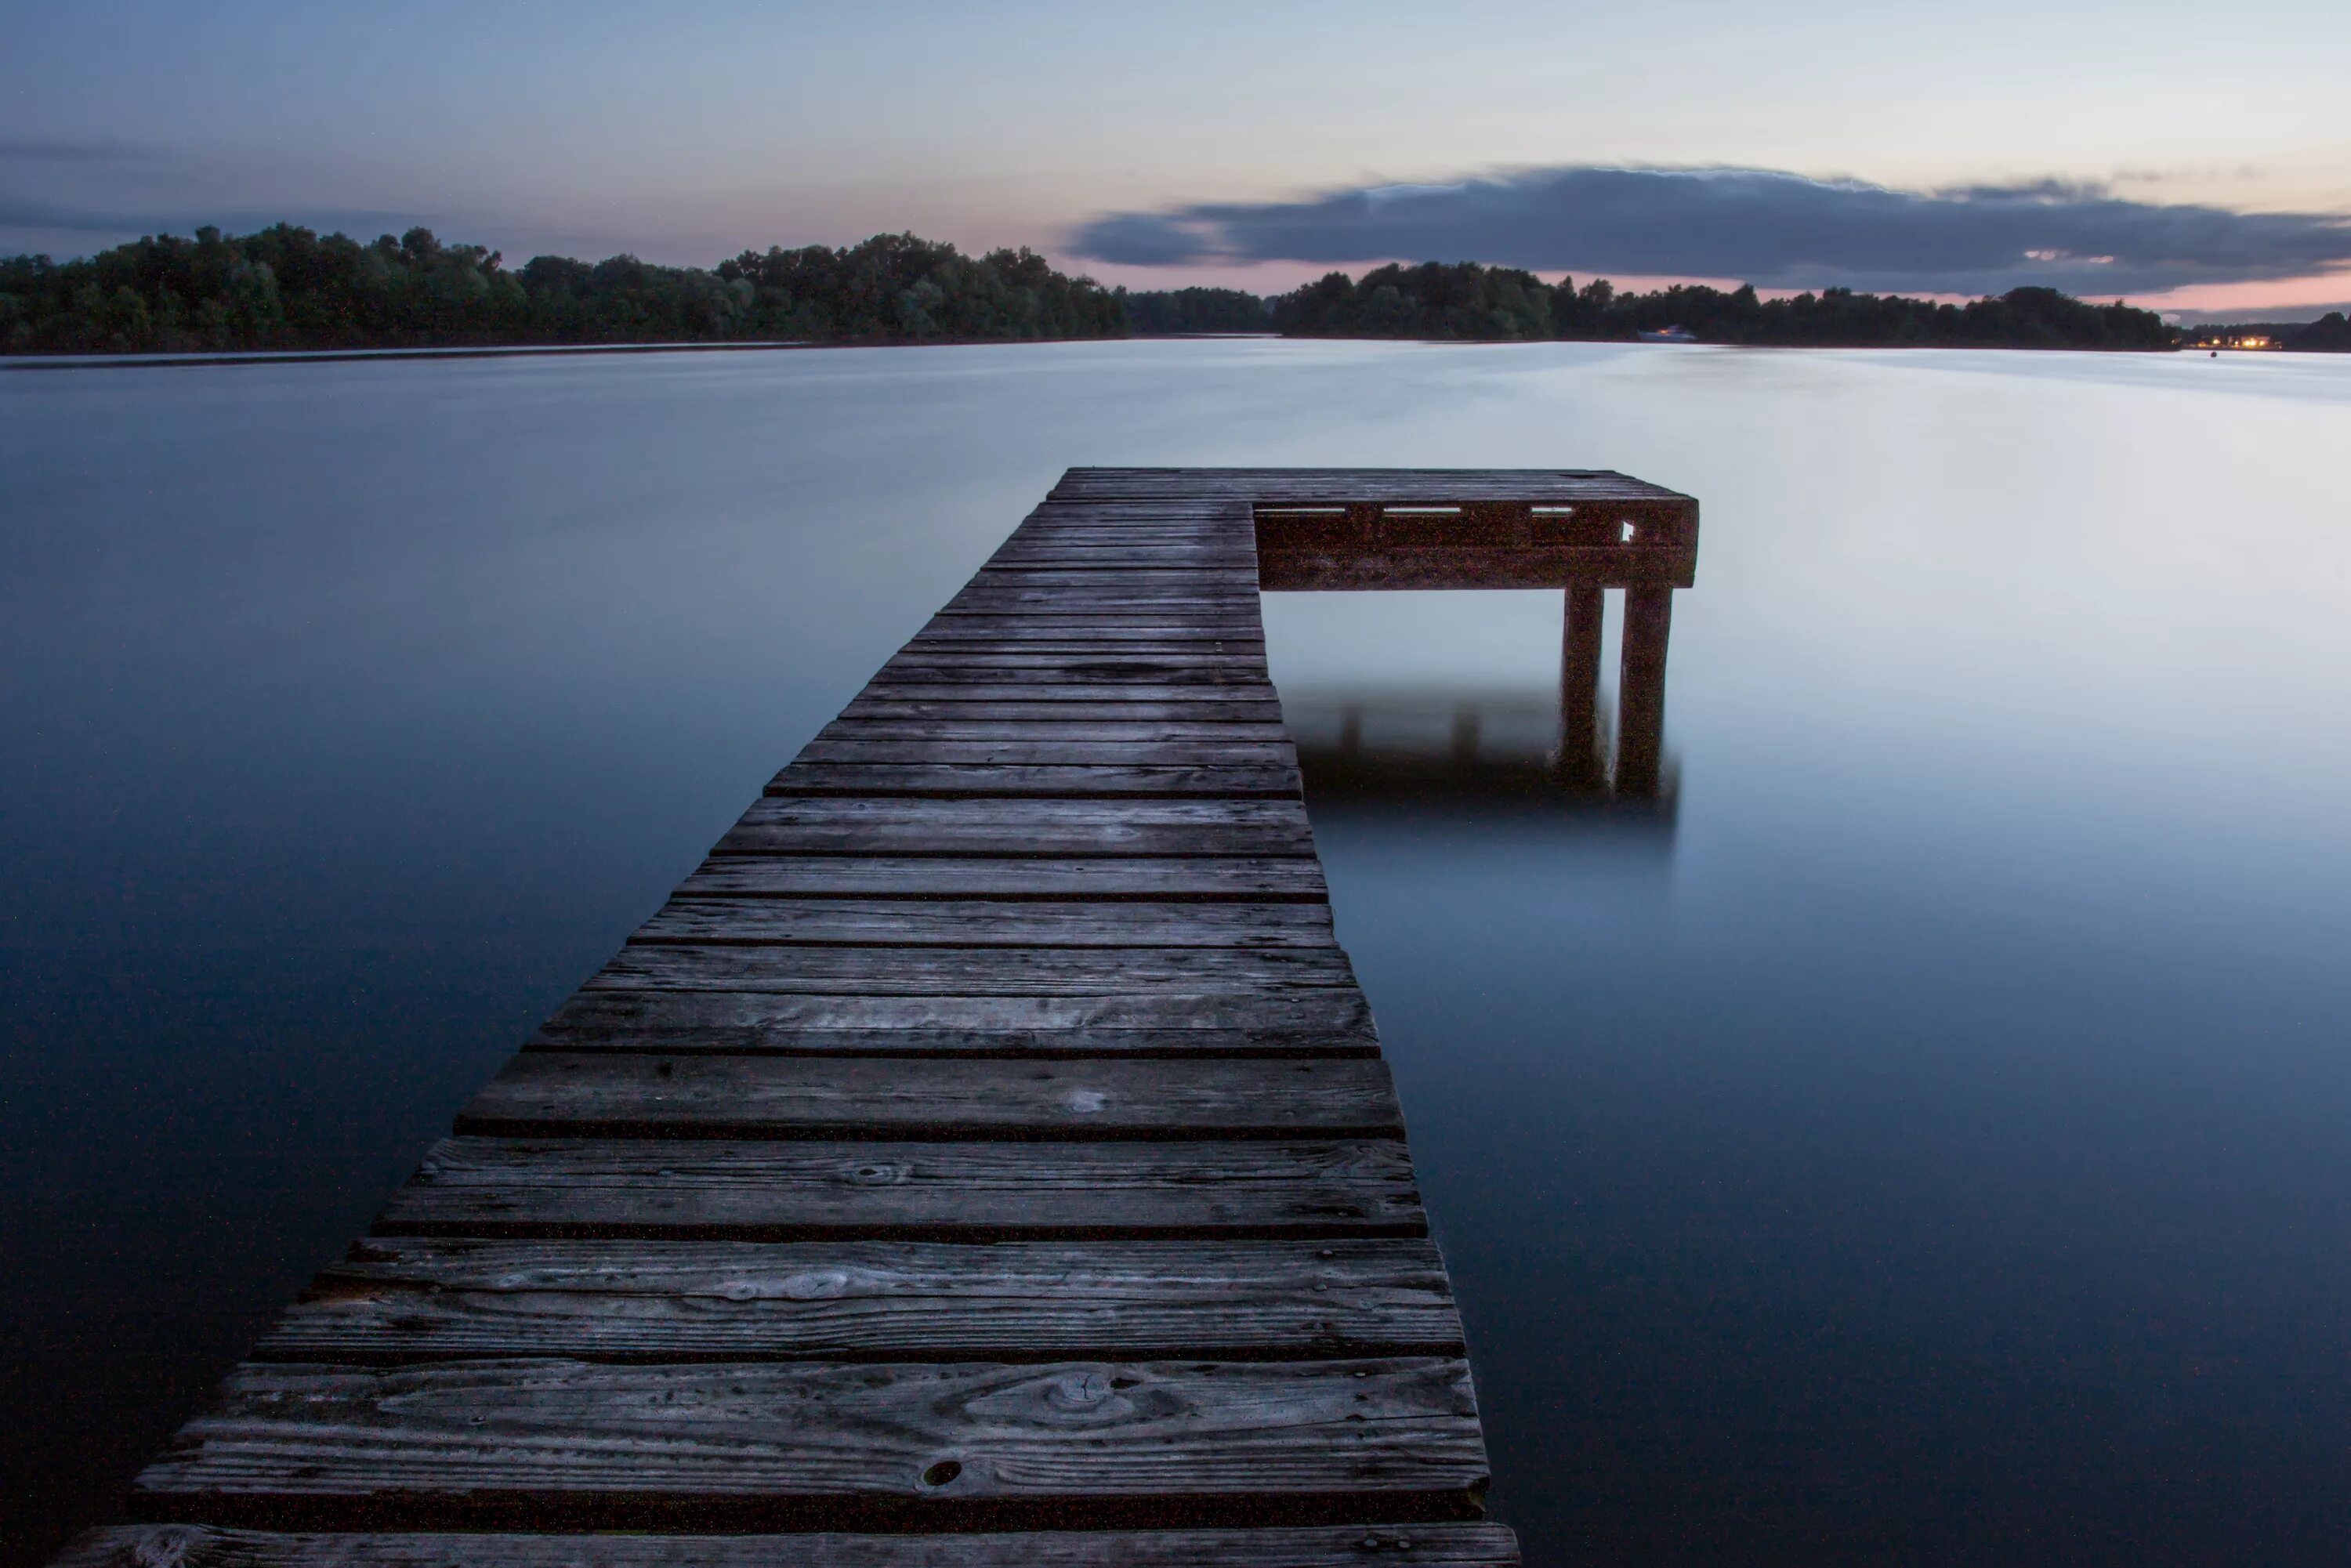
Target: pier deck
x,y
985,1157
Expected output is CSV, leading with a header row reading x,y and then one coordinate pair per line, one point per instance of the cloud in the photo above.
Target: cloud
x,y
1775,230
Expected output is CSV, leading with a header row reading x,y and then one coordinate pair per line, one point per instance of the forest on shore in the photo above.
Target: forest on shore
x,y
287,288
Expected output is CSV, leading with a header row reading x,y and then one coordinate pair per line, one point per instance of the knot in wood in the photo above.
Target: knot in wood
x,y
166,1546
1079,1390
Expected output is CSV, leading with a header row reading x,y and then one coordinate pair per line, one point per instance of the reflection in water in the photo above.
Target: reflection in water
x,y
1470,746
1467,746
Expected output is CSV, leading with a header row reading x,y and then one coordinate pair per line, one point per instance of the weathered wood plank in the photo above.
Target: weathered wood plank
x,y
1041,732
1243,622
1075,670
1613,566
1064,600
1257,703
963,782
971,971
1105,551
1079,640
1295,878
1255,711
547,1443
1064,670
1138,487
982,923
749,1016
1033,749
398,1299
1470,1545
784,1191
1187,579
699,1023
792,825
608,1095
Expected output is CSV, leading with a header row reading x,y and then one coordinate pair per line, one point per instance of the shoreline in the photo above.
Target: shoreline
x,y
22,362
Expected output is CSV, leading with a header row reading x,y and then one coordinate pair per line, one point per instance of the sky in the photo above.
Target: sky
x,y
2177,156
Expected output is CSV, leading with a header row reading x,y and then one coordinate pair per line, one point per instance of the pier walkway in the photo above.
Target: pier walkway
x,y
985,1157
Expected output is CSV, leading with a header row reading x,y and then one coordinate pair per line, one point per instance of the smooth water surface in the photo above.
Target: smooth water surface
x,y
1927,1140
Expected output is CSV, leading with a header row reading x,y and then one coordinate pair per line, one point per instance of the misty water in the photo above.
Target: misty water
x,y
1925,1138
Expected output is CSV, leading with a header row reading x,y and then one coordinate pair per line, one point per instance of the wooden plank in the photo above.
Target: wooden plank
x,y
948,781
1032,748
1244,623
981,922
1068,600
1252,878
680,1023
920,667
751,1016
1044,782
1071,598
400,1299
1107,552
969,971
1256,702
608,1095
1471,567
1109,627
551,1444
1233,594
790,825
1056,709
1079,640
1225,528
1139,488
1233,581
1060,732
1470,1545
791,1190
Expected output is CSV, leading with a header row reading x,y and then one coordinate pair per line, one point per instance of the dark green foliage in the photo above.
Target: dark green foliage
x,y
2330,333
1467,301
287,288
1430,301
1166,312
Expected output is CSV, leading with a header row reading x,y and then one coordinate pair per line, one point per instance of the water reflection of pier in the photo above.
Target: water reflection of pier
x,y
1457,746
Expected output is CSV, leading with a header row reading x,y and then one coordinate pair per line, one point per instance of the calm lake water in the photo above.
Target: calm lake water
x,y
1926,1141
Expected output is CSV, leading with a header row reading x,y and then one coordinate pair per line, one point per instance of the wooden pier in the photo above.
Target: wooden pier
x,y
986,1157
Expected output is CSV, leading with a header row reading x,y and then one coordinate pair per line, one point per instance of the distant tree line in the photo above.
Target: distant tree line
x,y
1486,304
2330,334
287,288
1171,312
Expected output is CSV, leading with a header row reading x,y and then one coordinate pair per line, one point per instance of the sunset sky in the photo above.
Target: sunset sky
x,y
2176,155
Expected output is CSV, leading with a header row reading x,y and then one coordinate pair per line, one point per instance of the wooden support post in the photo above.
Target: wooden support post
x,y
1641,699
1580,762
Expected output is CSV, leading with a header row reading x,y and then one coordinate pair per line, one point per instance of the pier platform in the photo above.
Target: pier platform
x,y
986,1156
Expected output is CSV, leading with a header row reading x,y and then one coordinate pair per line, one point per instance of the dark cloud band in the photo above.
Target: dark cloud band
x,y
1775,230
